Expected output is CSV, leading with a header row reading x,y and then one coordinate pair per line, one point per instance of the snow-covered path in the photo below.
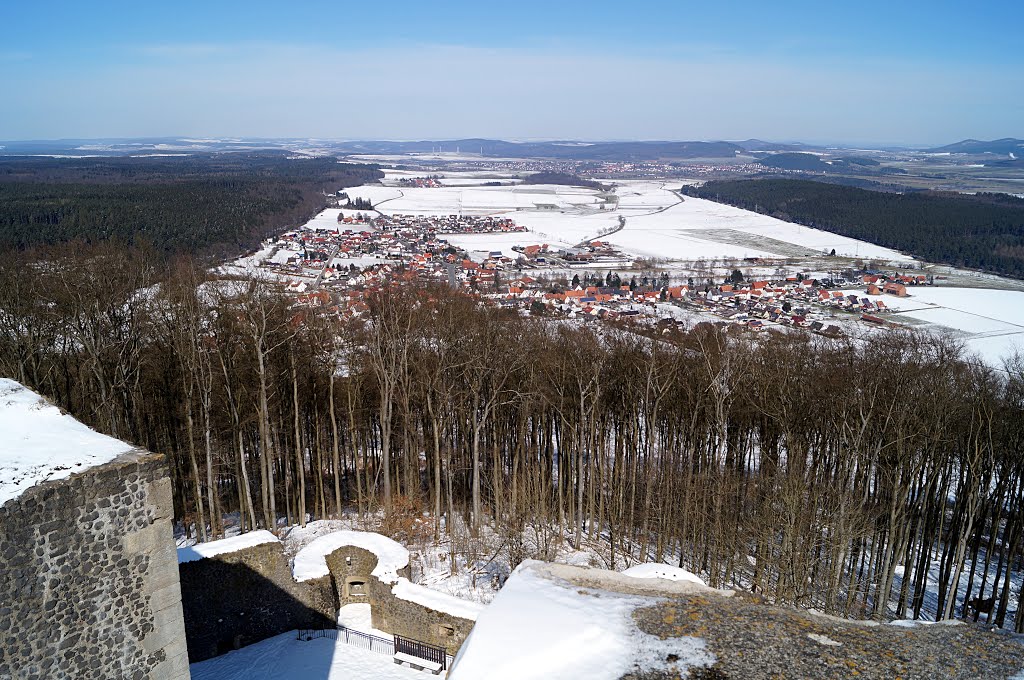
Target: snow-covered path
x,y
285,658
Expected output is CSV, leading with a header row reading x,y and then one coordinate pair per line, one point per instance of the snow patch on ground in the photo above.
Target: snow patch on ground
x,y
246,265
665,571
910,623
824,640
39,443
359,617
201,551
285,658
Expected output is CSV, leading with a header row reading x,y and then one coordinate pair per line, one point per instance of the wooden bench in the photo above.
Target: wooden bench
x,y
418,663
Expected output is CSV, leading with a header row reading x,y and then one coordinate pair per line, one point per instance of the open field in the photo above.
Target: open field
x,y
658,223
989,322
477,200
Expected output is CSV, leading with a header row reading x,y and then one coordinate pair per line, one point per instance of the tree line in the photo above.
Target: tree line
x,y
851,477
215,204
985,231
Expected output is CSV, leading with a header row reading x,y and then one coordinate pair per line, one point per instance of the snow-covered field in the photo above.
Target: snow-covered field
x,y
659,223
479,200
454,179
990,322
479,245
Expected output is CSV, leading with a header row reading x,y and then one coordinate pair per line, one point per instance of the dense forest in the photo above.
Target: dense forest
x,y
218,204
845,476
984,231
813,162
563,178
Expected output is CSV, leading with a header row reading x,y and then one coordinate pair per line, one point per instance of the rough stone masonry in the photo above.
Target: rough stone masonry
x,y
89,577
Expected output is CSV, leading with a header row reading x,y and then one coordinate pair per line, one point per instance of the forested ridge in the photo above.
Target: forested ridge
x,y
216,204
832,474
984,231
563,178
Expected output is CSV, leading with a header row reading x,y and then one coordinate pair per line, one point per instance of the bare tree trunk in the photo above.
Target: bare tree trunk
x,y
300,462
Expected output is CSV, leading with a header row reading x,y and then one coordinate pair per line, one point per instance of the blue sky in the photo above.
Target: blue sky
x,y
867,72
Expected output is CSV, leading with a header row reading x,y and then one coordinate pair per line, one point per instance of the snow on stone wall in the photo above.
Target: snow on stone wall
x,y
88,580
39,442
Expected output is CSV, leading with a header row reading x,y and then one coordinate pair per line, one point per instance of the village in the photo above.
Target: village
x,y
336,264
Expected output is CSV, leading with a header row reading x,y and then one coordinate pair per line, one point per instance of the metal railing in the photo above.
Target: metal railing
x,y
421,650
380,645
356,638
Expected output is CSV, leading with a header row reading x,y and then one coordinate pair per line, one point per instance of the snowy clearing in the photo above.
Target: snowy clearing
x,y
990,322
695,228
38,442
480,245
453,200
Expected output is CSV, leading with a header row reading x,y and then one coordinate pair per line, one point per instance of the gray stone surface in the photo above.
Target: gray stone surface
x,y
755,641
235,599
88,577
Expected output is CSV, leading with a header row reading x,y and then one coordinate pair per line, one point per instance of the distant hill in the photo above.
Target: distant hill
x,y
569,150
761,145
813,163
859,160
796,161
1002,147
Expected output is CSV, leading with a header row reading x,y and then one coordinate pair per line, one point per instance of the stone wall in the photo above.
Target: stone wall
x,y
388,611
89,577
351,564
238,598
413,620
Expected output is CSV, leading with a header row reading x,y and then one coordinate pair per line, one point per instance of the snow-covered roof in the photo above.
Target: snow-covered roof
x,y
567,622
38,442
311,561
225,545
